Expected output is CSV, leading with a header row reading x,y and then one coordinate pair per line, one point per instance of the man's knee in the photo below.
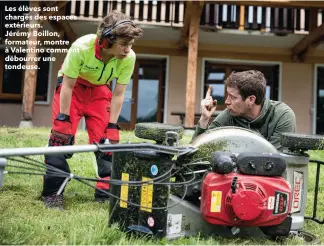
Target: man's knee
x,y
57,161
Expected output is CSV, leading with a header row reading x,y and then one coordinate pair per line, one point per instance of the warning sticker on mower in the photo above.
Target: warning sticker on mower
x,y
216,201
297,192
146,196
150,221
280,203
124,190
174,223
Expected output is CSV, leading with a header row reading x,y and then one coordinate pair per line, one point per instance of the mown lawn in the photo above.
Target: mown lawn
x,y
24,220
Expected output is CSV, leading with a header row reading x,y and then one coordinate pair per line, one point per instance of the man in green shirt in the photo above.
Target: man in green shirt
x,y
248,107
83,89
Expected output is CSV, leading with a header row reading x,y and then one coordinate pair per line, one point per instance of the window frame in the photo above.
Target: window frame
x,y
229,64
49,89
17,98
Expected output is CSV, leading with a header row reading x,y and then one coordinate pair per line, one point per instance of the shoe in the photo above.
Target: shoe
x,y
54,201
101,196
102,199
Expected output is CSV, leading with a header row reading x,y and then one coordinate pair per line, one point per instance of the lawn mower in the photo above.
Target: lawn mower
x,y
227,182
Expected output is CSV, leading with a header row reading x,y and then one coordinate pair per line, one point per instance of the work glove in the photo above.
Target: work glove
x,y
111,137
61,133
104,160
112,133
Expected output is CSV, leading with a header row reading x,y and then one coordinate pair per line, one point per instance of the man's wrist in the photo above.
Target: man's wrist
x,y
63,117
113,126
203,123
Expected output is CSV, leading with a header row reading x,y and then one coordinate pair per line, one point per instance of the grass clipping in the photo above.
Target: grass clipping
x,y
302,142
204,152
156,131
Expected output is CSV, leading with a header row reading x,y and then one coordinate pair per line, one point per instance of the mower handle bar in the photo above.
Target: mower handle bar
x,y
95,147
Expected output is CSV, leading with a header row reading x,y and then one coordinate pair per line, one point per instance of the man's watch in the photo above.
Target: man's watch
x,y
63,117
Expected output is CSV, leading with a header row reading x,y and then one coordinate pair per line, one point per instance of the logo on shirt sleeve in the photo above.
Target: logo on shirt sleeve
x,y
86,67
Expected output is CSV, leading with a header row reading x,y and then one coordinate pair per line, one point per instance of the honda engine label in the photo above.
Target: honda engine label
x,y
297,192
271,201
280,203
216,201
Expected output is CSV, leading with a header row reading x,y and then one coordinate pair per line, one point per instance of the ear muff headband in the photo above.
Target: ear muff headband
x,y
107,33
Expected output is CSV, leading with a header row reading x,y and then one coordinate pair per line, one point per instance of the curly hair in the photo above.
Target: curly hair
x,y
127,31
250,82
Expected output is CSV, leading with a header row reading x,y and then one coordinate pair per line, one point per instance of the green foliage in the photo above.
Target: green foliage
x,y
24,220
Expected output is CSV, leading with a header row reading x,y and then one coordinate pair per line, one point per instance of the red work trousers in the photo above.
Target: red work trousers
x,y
93,103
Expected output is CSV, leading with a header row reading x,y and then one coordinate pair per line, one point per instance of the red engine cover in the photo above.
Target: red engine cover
x,y
257,201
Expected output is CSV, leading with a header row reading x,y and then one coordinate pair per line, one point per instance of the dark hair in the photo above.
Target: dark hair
x,y
250,82
127,31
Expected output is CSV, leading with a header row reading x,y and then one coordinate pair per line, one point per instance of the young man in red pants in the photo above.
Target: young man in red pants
x,y
83,89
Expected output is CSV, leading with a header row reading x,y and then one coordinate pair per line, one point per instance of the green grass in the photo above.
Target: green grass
x,y
24,220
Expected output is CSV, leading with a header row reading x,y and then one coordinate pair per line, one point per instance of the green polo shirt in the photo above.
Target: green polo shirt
x,y
84,60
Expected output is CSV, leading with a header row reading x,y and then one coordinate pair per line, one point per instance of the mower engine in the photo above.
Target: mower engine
x,y
246,190
244,200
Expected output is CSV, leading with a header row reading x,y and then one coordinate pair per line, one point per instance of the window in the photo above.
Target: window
x,y
12,81
320,101
215,75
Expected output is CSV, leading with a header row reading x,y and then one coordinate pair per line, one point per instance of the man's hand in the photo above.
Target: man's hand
x,y
112,133
208,107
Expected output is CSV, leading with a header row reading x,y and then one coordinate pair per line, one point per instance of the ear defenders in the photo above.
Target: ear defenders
x,y
107,34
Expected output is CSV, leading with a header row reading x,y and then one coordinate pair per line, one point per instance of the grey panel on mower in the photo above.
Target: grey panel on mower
x,y
233,139
296,141
156,131
297,168
184,219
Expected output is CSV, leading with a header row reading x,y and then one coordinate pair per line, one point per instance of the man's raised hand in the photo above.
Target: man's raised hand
x,y
208,107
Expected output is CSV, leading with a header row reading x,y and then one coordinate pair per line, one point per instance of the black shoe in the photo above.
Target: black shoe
x,y
102,199
101,196
54,201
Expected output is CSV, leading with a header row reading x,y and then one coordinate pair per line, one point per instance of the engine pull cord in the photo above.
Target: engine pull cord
x,y
234,185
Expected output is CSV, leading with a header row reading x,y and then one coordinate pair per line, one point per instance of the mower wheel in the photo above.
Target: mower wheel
x,y
295,141
307,237
156,131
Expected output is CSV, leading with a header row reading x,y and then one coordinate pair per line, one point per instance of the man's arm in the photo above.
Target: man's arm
x,y
117,102
66,94
286,123
122,81
199,130
222,119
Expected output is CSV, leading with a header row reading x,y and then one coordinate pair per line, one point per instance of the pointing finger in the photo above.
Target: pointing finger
x,y
208,93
